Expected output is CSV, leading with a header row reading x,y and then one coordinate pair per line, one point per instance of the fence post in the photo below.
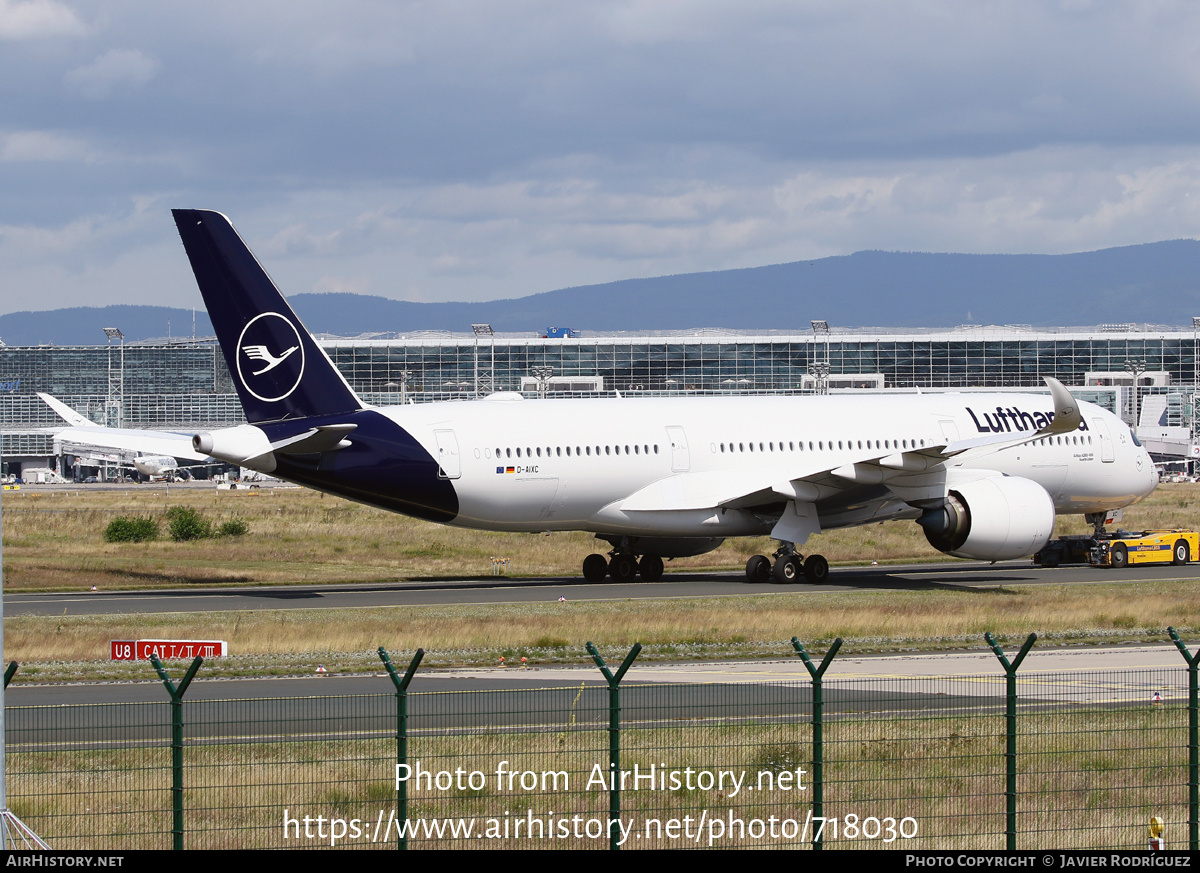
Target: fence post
x,y
614,736
401,737
1010,730
176,742
10,672
818,722
1193,742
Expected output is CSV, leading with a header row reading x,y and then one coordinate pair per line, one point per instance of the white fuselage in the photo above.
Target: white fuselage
x,y
155,466
678,466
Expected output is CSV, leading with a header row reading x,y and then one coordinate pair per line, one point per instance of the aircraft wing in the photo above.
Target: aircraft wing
x,y
149,442
84,432
808,483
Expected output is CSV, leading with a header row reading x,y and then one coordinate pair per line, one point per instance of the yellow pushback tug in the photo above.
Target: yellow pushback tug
x,y
1122,549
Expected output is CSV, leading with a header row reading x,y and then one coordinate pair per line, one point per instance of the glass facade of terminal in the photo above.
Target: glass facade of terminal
x,y
182,368
186,385
726,362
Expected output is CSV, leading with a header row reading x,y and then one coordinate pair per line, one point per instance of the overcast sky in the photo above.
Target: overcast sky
x,y
475,150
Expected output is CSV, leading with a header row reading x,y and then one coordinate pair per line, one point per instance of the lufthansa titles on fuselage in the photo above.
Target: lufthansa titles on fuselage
x,y
1013,419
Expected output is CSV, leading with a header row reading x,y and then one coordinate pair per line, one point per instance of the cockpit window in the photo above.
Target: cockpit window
x,y
1136,442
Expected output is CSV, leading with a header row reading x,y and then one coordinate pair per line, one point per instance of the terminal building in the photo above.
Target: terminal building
x,y
185,385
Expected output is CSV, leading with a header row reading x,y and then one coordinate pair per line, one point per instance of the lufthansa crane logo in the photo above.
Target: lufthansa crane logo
x,y
270,357
261,353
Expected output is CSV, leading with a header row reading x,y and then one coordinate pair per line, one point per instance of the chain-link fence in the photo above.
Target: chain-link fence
x,y
920,763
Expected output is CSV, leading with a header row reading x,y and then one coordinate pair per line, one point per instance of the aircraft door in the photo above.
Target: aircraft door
x,y
1102,434
448,458
681,459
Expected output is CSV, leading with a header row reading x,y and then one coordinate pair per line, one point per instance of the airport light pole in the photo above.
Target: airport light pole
x,y
1135,367
1195,351
820,372
116,382
542,374
390,387
484,330
820,367
1195,389
405,375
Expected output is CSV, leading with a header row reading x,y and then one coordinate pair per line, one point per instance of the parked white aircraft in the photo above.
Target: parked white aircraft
x,y
129,443
157,466
983,474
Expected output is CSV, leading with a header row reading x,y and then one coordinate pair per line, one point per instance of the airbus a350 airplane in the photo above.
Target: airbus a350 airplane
x,y
983,474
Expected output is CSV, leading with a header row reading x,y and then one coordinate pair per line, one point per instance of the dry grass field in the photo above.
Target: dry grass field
x,y
53,541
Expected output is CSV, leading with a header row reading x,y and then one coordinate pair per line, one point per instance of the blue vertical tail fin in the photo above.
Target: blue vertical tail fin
x,y
279,370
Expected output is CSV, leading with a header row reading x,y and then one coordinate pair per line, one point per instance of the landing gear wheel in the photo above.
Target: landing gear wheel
x,y
787,569
623,568
758,569
595,568
1120,556
1182,553
650,568
816,569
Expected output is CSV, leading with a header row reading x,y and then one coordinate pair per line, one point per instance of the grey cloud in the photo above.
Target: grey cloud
x,y
37,19
115,69
462,150
41,146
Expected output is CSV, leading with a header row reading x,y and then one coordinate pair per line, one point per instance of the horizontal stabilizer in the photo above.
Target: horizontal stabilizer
x,y
326,438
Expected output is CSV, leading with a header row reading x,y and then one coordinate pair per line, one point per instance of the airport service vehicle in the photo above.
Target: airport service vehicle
x,y
42,476
1122,548
1148,547
983,474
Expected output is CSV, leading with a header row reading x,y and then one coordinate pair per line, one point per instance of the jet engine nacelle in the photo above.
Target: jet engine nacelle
x,y
244,445
992,519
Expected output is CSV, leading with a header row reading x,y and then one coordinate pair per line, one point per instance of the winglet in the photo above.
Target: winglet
x,y
1066,410
1067,419
69,415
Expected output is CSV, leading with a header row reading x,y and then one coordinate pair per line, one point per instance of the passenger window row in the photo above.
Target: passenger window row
x,y
576,451
745,447
818,445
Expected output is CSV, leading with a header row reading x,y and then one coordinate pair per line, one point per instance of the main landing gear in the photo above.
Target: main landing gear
x,y
624,567
788,567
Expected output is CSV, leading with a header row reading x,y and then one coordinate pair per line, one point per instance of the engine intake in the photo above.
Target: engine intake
x,y
993,519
